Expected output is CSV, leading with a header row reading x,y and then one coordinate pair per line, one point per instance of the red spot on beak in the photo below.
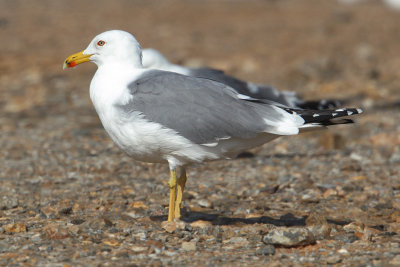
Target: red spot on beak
x,y
72,64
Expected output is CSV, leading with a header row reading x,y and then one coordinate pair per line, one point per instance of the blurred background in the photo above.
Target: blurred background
x,y
54,152
333,48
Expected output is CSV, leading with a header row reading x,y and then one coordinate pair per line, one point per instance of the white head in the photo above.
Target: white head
x,y
108,48
153,59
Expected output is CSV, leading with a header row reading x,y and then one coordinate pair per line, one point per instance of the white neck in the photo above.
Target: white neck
x,y
109,84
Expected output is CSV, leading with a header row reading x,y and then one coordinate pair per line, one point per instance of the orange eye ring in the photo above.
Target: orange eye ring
x,y
101,43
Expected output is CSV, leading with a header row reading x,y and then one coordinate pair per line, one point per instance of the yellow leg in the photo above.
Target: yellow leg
x,y
172,195
181,188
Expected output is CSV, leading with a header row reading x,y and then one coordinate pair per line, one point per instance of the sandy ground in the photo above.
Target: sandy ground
x,y
69,197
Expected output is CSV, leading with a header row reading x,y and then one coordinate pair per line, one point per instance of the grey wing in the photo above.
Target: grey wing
x,y
200,110
220,76
265,92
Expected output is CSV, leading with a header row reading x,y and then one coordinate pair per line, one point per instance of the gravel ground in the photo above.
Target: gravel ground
x,y
69,197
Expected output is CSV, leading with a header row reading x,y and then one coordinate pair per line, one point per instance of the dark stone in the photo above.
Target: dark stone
x,y
65,211
77,221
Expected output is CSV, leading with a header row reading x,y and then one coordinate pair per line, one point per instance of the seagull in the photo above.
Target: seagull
x,y
166,117
153,59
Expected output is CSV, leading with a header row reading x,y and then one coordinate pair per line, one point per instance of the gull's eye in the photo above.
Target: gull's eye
x,y
101,43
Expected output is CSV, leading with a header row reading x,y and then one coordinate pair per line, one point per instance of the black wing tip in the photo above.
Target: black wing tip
x,y
328,117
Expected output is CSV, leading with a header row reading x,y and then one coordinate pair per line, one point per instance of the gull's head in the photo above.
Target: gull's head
x,y
153,59
108,48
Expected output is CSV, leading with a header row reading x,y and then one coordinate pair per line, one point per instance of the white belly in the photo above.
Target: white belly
x,y
150,142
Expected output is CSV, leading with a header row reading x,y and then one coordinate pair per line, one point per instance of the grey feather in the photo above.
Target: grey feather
x,y
220,76
201,110
242,87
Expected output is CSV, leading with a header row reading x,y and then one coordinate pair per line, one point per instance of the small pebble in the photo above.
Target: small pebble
x,y
200,224
333,259
289,237
266,250
189,246
170,227
204,203
343,251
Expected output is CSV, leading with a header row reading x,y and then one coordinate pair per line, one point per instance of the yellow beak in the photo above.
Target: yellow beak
x,y
76,59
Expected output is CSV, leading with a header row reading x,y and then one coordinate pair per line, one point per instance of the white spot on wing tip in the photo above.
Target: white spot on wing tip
x,y
359,111
349,112
334,114
315,115
340,110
